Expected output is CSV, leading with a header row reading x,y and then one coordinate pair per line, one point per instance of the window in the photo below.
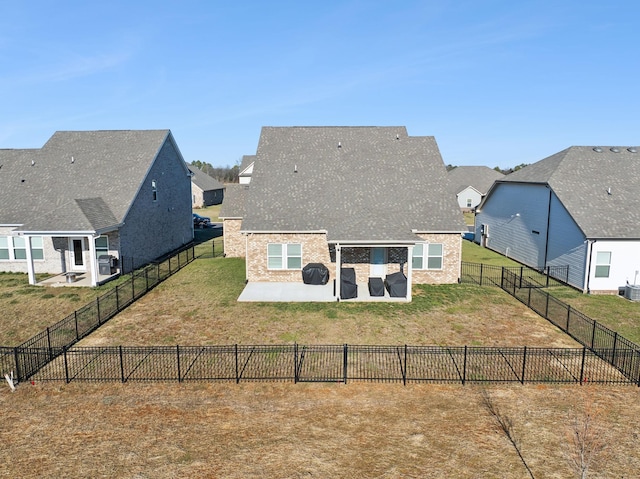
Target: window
x,y
14,248
284,256
603,264
37,251
102,246
4,248
154,190
468,202
427,256
19,249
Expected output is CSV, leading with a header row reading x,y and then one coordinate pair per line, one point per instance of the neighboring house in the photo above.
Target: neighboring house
x,y
471,183
90,193
369,198
205,190
578,208
246,169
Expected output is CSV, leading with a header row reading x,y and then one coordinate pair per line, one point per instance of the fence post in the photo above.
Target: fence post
x,y
547,273
524,363
521,273
529,298
464,366
49,344
133,288
566,330
237,376
615,342
15,358
502,278
121,364
178,356
75,317
98,308
295,363
344,363
593,334
638,351
66,365
404,376
213,248
146,279
481,271
178,255
584,353
117,300
546,308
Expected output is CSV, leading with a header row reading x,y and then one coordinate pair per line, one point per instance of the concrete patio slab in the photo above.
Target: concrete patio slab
x,y
300,292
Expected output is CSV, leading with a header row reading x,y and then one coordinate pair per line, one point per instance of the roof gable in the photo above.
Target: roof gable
x,y
356,183
599,189
480,178
203,180
77,165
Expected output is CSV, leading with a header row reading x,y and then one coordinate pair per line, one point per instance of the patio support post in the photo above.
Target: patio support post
x,y
93,264
409,270
338,270
30,269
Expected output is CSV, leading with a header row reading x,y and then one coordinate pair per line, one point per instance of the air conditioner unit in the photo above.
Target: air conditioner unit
x,y
632,292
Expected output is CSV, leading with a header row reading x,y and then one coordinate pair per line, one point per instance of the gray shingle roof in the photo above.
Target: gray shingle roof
x,y
78,180
479,177
357,183
581,178
203,180
233,204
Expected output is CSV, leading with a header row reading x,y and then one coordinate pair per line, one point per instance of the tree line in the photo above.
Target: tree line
x,y
224,174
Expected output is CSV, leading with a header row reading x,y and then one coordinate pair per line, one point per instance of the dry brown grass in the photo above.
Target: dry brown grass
x,y
285,430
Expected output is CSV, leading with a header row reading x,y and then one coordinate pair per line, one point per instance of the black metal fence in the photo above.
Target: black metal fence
x,y
29,357
327,363
490,275
602,341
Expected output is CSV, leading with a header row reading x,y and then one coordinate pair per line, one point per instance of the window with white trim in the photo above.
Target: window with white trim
x,y
427,256
4,248
284,256
603,264
102,246
14,248
469,202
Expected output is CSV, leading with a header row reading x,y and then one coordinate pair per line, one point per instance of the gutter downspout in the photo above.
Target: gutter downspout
x,y
589,261
546,241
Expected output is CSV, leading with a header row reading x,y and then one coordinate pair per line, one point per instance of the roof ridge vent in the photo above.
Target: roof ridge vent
x,y
615,149
597,149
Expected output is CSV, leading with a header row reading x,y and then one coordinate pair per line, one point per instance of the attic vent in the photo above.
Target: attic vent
x,y
632,150
597,149
615,150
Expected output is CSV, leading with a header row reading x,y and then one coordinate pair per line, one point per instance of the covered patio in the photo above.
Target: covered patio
x,y
300,292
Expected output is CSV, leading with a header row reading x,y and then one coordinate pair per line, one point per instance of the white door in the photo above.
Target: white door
x,y
378,266
76,254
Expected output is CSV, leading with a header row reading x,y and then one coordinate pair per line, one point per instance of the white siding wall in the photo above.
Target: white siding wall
x,y
567,244
517,219
625,261
469,193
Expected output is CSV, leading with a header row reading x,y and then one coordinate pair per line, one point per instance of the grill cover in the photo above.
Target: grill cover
x,y
315,273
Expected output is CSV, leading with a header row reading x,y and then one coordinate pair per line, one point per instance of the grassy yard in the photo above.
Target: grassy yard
x,y
211,430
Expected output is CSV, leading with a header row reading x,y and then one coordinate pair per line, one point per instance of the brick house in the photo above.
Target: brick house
x,y
369,198
84,194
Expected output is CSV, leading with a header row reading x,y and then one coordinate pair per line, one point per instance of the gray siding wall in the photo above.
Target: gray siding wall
x,y
567,244
517,219
154,228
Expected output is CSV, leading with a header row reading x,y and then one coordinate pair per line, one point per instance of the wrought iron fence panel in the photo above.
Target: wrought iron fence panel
x,y
320,363
378,363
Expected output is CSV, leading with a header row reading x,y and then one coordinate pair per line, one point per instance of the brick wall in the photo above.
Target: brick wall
x,y
314,250
234,242
451,261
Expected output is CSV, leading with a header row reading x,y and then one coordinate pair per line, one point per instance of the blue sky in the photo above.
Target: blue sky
x,y
498,83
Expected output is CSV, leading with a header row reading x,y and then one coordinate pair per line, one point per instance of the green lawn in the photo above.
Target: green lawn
x,y
474,253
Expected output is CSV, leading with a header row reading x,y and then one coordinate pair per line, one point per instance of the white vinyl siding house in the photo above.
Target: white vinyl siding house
x,y
563,211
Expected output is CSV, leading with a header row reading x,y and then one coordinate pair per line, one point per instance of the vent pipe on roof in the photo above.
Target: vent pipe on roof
x,y
72,160
339,144
295,168
609,191
33,162
397,136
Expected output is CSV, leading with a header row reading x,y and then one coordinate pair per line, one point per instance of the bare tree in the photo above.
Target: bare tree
x,y
587,438
504,425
